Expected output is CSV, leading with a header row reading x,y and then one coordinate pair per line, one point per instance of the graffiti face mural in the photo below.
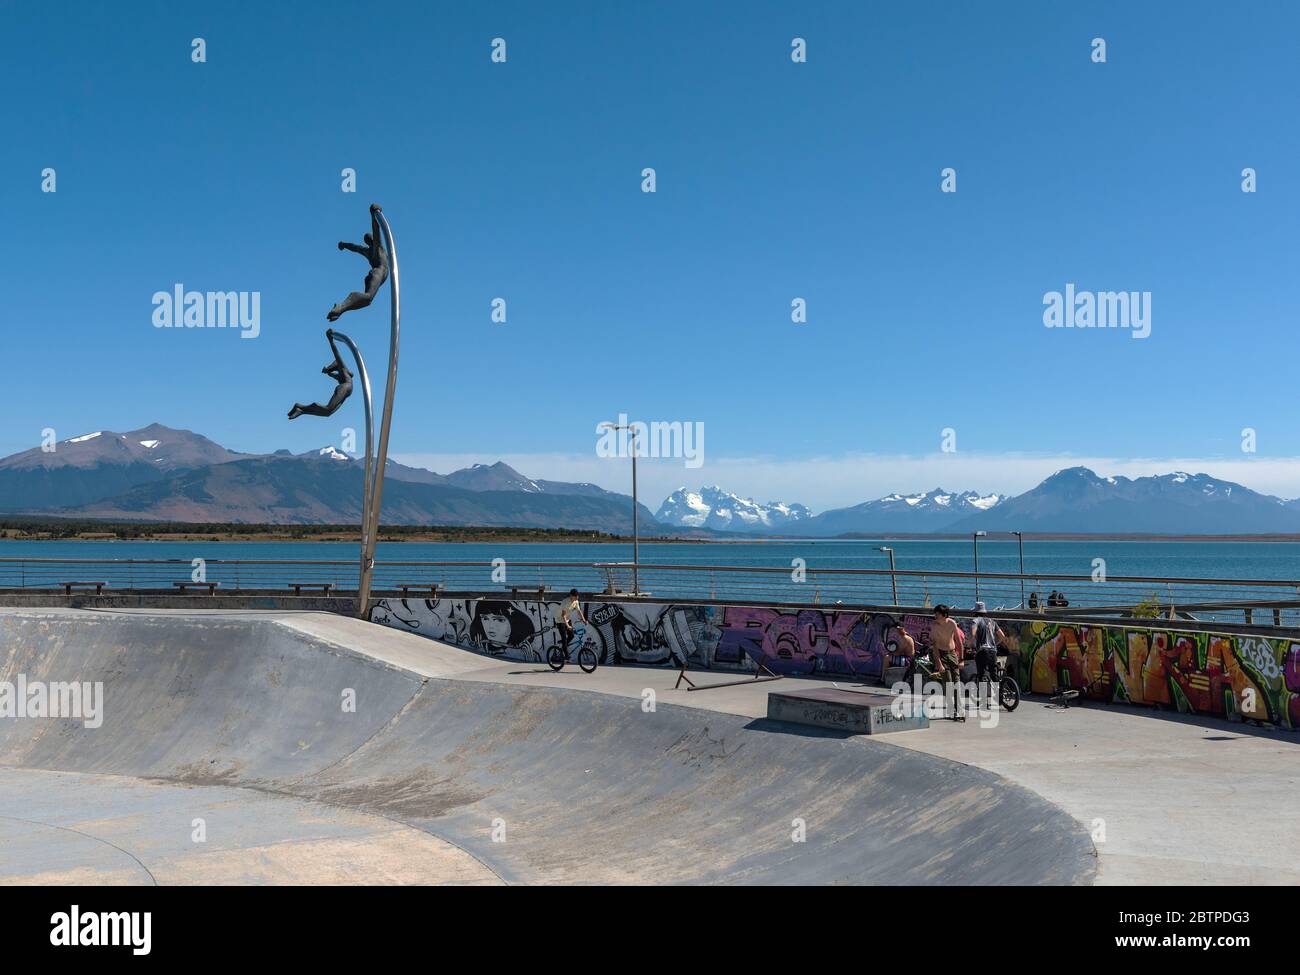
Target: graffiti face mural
x,y
497,625
1198,673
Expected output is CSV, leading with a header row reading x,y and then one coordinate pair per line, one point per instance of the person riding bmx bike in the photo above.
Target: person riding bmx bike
x,y
569,607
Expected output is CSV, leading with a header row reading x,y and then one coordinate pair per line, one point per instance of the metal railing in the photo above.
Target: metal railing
x,y
1258,601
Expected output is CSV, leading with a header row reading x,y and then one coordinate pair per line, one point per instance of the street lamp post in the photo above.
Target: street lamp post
x,y
975,538
1020,538
893,579
636,536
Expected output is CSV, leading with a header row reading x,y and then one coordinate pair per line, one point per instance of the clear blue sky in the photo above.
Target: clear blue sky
x,y
522,180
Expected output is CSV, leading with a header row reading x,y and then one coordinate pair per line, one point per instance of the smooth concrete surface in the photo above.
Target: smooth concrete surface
x,y
78,828
1172,799
454,767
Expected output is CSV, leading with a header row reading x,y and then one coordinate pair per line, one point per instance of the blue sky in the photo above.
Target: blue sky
x,y
775,180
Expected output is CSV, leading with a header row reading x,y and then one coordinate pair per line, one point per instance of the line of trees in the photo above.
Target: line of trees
x,y
21,526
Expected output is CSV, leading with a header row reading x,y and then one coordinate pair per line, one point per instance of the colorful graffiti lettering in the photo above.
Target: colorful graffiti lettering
x,y
1291,683
1194,673
805,641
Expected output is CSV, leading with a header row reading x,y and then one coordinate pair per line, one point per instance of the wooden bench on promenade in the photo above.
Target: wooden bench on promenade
x,y
324,587
69,586
185,584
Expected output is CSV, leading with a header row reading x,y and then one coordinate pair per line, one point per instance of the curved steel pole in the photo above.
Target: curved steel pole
x,y
367,485
370,534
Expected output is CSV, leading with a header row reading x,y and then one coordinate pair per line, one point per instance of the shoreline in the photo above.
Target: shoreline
x,y
281,534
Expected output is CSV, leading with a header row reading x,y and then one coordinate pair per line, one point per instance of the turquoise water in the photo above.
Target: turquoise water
x,y
1229,560
21,566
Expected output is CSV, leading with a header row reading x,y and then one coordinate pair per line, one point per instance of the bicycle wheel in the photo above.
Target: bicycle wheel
x,y
555,657
1008,694
587,659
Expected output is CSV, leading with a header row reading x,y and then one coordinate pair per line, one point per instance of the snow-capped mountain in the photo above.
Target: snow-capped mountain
x,y
925,512
938,500
1078,500
502,477
712,507
159,473
93,465
493,477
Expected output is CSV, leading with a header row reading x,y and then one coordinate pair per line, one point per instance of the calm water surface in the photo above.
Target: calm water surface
x,y
1229,560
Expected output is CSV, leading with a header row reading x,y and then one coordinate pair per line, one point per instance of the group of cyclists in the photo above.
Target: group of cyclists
x,y
947,647
948,644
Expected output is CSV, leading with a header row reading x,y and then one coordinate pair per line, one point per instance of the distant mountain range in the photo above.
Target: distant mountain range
x,y
1078,500
100,465
1071,501
158,473
712,507
161,474
931,511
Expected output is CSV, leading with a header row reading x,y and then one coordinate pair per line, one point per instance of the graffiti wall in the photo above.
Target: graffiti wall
x,y
1190,672
1201,673
620,633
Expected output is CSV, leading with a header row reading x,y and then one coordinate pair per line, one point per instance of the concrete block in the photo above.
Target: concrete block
x,y
855,712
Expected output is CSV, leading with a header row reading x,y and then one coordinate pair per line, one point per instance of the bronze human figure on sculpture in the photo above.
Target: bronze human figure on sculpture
x,y
373,251
337,371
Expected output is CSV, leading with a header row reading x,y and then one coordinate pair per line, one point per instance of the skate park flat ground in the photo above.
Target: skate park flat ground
x,y
460,768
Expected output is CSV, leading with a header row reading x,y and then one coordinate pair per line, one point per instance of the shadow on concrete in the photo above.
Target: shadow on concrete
x,y
768,726
1222,728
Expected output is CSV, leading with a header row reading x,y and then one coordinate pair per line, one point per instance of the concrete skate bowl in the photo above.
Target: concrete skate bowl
x,y
240,724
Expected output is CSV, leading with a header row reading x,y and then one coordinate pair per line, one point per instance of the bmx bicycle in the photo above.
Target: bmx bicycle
x,y
556,657
1008,686
1008,689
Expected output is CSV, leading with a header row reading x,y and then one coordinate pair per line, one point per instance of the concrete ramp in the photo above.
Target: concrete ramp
x,y
245,723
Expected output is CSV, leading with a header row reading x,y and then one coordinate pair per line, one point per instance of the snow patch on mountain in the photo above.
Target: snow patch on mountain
x,y
938,499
